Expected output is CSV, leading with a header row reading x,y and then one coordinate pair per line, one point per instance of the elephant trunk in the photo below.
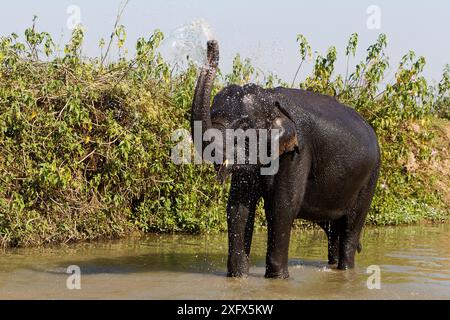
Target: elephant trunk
x,y
202,96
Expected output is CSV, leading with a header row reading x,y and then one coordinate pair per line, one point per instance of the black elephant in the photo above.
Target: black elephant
x,y
329,161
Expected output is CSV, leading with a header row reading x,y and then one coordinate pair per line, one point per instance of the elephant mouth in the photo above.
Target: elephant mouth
x,y
224,170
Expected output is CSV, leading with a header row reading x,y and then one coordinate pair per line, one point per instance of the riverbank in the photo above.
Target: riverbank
x,y
85,145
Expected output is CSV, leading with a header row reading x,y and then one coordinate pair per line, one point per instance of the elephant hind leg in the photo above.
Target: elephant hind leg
x,y
333,243
331,229
352,224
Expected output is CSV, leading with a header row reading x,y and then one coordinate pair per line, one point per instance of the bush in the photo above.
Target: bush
x,y
85,146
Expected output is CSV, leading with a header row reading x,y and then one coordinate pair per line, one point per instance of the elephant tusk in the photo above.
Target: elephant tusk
x,y
222,172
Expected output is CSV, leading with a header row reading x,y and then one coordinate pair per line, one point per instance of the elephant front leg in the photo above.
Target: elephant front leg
x,y
240,230
282,204
279,233
240,218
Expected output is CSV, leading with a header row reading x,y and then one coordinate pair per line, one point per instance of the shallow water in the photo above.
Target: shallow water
x,y
414,264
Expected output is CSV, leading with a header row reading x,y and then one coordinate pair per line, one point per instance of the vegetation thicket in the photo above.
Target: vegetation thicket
x,y
85,144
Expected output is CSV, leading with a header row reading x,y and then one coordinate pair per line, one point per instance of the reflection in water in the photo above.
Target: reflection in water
x,y
414,262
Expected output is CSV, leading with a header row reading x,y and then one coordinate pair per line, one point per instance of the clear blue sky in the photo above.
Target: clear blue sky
x,y
263,30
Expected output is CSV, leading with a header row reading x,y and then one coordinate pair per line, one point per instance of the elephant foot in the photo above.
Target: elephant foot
x,y
345,265
332,261
238,266
237,274
277,275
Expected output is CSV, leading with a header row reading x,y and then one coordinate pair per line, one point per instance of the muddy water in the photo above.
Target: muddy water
x,y
414,263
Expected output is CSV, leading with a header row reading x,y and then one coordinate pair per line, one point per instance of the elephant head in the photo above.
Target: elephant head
x,y
238,109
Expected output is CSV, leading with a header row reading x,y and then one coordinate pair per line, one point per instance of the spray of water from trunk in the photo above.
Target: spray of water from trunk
x,y
188,40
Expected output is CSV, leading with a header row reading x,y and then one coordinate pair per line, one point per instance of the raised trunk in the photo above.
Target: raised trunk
x,y
201,105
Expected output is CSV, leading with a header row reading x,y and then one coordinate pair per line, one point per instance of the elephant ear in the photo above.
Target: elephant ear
x,y
287,137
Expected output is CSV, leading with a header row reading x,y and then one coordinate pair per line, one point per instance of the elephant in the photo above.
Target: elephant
x,y
329,163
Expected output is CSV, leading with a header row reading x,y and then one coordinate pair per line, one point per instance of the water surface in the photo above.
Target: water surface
x,y
414,264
